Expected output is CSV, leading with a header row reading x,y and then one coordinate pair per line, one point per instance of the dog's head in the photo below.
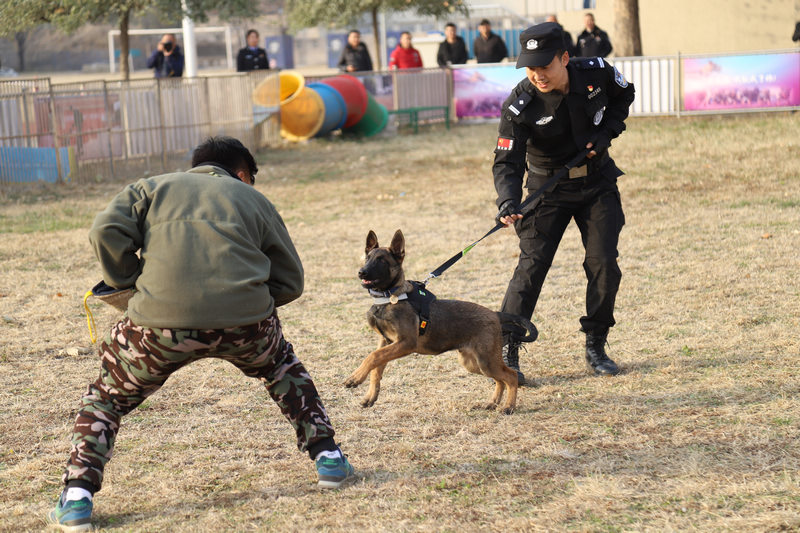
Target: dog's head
x,y
383,267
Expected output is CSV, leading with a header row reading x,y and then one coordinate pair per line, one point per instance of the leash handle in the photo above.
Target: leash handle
x,y
90,318
572,163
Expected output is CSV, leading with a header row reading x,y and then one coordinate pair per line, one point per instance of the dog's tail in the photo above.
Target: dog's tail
x,y
515,327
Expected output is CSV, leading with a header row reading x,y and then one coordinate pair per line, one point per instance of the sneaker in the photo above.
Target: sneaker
x,y
72,515
511,359
333,471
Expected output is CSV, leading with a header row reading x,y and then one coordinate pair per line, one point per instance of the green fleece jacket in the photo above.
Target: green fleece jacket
x,y
203,249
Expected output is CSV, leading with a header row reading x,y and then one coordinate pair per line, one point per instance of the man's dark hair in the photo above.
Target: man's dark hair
x,y
353,31
227,152
485,22
246,35
449,25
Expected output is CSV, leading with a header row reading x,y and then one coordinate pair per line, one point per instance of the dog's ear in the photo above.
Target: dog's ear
x,y
372,242
398,246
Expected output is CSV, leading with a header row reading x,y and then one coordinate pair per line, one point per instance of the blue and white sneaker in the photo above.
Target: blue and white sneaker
x,y
333,469
71,515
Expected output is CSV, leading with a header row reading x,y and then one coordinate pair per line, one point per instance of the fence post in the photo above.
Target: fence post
x,y
678,91
54,125
108,129
160,102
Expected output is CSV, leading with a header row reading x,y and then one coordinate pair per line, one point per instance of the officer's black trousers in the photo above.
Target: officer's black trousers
x,y
597,211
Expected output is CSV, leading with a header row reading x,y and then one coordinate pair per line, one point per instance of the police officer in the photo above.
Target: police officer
x,y
251,57
561,108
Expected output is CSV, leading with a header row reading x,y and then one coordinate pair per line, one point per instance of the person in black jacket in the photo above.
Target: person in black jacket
x,y
251,57
453,50
593,42
489,47
355,56
567,36
559,109
167,60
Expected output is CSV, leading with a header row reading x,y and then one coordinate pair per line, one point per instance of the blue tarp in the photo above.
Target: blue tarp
x,y
28,165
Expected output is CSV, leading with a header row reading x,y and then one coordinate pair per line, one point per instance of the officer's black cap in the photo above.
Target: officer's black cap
x,y
540,44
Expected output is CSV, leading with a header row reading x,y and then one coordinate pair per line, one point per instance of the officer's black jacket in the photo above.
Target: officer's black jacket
x,y
249,60
597,92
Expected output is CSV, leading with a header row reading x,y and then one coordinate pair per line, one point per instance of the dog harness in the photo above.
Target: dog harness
x,y
419,297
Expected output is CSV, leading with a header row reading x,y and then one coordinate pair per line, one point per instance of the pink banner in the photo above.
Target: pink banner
x,y
741,82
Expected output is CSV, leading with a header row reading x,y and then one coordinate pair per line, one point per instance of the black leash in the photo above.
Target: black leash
x,y
557,176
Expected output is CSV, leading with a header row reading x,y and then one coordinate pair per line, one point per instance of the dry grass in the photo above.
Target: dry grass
x,y
700,432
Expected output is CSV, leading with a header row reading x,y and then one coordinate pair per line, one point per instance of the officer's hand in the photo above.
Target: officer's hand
x,y
508,213
600,142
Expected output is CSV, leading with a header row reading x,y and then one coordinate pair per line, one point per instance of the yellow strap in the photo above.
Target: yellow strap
x,y
90,318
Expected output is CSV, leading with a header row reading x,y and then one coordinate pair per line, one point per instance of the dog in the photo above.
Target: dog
x,y
474,331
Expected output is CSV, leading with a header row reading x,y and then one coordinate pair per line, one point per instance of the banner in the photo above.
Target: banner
x,y
481,91
741,82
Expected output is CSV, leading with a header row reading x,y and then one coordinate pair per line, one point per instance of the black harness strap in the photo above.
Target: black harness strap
x,y
420,299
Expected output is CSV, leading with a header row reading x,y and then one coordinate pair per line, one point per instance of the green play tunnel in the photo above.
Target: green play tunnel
x,y
373,121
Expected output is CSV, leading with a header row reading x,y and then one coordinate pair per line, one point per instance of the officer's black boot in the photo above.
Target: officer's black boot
x,y
511,359
596,357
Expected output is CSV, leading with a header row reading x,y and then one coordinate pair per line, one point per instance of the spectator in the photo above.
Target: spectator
x,y
796,36
453,50
210,261
167,60
489,47
593,42
405,55
251,57
355,56
569,45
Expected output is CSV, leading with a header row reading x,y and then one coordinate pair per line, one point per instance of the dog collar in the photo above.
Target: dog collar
x,y
386,297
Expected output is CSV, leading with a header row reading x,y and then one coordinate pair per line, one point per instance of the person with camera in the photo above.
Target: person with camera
x,y
167,60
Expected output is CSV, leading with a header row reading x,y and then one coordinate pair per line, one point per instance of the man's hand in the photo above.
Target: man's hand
x,y
601,141
508,213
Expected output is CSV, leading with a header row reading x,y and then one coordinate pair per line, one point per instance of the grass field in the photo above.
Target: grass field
x,y
699,432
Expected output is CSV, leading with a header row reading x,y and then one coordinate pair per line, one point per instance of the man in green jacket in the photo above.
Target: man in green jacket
x,y
209,259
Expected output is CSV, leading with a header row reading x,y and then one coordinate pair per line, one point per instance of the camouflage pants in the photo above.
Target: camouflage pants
x,y
136,361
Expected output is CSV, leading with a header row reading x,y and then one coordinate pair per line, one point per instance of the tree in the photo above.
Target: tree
x,y
341,13
69,15
628,36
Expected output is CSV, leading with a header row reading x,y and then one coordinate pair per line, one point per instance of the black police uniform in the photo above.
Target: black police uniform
x,y
540,132
249,59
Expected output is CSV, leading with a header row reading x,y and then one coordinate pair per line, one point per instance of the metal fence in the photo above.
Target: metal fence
x,y
94,130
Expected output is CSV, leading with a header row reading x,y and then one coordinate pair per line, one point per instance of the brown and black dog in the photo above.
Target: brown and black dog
x,y
475,332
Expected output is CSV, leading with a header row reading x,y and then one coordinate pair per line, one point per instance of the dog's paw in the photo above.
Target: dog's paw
x,y
508,411
485,406
368,401
353,381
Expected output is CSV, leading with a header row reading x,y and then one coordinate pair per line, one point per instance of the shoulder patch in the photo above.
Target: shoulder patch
x,y
588,63
519,103
620,79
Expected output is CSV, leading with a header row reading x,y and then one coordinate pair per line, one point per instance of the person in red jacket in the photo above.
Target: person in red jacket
x,y
405,55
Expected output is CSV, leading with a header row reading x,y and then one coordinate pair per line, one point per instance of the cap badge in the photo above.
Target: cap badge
x,y
532,44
